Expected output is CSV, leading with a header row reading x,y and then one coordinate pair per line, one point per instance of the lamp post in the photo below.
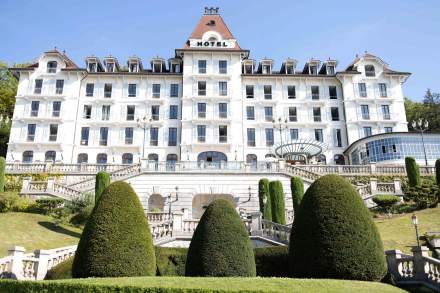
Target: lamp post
x,y
144,123
280,125
421,126
170,201
415,222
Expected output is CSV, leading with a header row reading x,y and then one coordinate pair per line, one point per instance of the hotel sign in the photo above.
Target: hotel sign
x,y
225,44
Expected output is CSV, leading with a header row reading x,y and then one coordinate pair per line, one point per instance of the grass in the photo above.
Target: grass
x,y
34,231
399,233
185,284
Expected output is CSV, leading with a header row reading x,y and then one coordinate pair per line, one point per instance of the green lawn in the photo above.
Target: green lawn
x,y
34,231
182,284
399,233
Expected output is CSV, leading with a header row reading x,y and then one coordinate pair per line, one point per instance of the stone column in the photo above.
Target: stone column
x,y
25,184
373,186
391,257
177,222
144,164
50,184
256,225
397,186
43,263
282,164
435,242
419,263
16,266
373,168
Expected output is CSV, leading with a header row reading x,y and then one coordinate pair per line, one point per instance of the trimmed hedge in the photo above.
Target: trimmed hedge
x,y
170,261
333,235
60,271
263,194
437,171
116,240
220,246
277,201
102,180
272,261
412,171
297,189
2,174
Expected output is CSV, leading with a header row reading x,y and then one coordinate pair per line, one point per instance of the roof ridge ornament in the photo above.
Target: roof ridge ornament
x,y
211,10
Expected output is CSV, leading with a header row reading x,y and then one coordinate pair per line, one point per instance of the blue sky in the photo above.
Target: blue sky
x,y
405,33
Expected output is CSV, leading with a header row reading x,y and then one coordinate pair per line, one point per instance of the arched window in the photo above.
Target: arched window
x,y
52,66
339,159
269,156
127,158
171,162
171,158
101,158
83,158
252,160
369,70
50,156
153,157
215,157
156,203
321,159
28,156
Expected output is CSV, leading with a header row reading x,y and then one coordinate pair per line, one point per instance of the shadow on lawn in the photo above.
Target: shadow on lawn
x,y
58,229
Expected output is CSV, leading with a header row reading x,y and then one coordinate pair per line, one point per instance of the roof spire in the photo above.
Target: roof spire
x,y
211,10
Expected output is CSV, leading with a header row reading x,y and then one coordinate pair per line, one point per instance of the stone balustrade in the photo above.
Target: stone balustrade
x,y
158,217
61,168
275,231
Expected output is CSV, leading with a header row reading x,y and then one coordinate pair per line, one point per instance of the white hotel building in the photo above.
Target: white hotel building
x,y
210,102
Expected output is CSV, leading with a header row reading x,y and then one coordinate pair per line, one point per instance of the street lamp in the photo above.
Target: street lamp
x,y
144,123
280,125
415,222
171,201
421,126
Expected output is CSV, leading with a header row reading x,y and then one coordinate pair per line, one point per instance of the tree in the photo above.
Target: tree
x,y
2,174
297,189
437,171
277,202
412,172
116,241
429,111
333,235
431,98
8,91
220,246
5,129
264,198
102,180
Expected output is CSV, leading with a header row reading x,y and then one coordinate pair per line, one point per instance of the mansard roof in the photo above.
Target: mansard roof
x,y
352,67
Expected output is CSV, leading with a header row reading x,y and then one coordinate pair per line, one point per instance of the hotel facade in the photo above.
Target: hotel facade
x,y
211,103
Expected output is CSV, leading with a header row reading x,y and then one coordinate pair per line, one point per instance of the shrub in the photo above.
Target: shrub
x,y
263,195
297,189
102,180
12,202
220,246
386,201
60,271
48,205
170,261
333,235
437,172
412,171
272,261
277,201
424,196
81,217
2,174
116,240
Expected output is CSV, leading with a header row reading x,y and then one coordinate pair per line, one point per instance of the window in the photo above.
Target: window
x,y
362,90
110,66
201,86
52,67
267,92
31,132
223,134
365,111
56,109
292,114
153,157
383,90
53,132
252,160
108,90
154,136
223,110
222,66
367,131
38,86
174,90
28,156
332,92
334,113
268,114
132,90
249,91
129,135
127,158
155,112
90,87
330,70
85,135
201,133
92,66
82,158
337,137
103,136
87,112
269,136
59,86
133,67
50,156
201,110
313,69
174,110
223,88
105,112
172,136
130,112
101,158
265,69
315,92
35,106
175,67
251,137
316,114
156,90
293,133
318,135
386,112
202,66
250,113
370,71
388,129
291,92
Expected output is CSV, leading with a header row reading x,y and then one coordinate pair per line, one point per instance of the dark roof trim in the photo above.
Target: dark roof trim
x,y
286,75
212,49
136,73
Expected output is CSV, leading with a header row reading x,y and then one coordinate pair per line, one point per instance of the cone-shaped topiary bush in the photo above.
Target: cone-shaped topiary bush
x,y
333,235
277,201
102,180
297,189
437,171
116,240
263,195
220,246
413,172
2,174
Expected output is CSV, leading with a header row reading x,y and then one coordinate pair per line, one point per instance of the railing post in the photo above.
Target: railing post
x,y
177,222
16,267
25,184
43,263
373,185
50,184
373,168
256,224
397,186
144,164
247,167
185,213
419,263
282,165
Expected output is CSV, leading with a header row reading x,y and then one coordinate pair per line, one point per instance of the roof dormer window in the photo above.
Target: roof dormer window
x,y
110,67
313,69
133,67
330,70
290,69
248,66
91,67
265,69
52,66
370,71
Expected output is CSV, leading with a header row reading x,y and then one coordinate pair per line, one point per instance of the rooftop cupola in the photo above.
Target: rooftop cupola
x,y
93,64
134,64
288,66
111,64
